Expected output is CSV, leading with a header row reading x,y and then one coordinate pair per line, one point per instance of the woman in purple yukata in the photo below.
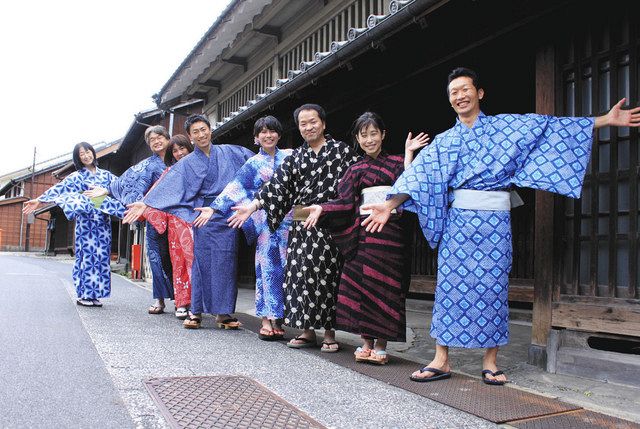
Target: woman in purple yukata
x,y
459,187
187,190
371,299
271,247
91,269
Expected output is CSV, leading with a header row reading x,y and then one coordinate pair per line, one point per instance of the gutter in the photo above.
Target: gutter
x,y
378,28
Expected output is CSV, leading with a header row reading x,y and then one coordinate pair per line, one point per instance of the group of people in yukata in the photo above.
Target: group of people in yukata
x,y
326,221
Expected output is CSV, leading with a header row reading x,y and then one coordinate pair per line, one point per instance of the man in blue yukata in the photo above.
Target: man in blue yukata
x,y
459,186
188,190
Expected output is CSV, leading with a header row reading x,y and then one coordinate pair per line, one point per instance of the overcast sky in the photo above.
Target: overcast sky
x,y
79,70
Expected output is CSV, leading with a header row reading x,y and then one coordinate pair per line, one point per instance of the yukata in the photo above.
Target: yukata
x,y
371,297
130,187
195,181
270,247
313,260
474,246
91,269
180,238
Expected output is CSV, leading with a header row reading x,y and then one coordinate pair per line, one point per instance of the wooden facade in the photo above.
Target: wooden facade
x,y
575,261
13,224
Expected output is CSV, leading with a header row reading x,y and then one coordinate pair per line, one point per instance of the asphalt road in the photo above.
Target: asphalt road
x,y
51,374
68,366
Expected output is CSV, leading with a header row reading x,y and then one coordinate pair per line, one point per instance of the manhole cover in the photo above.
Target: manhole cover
x,y
224,402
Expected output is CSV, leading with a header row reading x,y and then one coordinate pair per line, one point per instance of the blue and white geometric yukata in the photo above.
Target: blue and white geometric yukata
x,y
475,250
192,181
271,248
91,271
130,187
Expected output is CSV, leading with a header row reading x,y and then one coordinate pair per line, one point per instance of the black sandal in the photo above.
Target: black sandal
x,y
306,343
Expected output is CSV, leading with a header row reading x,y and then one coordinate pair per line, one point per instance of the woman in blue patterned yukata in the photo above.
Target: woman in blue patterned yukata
x,y
271,248
459,187
91,271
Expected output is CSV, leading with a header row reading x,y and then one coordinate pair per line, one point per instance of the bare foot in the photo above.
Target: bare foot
x,y
491,366
437,364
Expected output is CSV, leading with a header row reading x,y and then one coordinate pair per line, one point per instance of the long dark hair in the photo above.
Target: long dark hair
x,y
180,140
76,155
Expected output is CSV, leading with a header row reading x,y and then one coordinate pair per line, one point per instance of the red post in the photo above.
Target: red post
x,y
136,261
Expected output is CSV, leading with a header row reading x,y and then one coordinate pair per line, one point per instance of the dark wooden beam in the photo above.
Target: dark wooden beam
x,y
270,30
238,61
543,238
212,83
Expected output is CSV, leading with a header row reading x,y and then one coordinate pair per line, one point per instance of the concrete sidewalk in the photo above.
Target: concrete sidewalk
x,y
608,398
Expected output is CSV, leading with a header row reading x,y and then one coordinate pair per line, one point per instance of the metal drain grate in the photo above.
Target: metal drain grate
x,y
224,402
581,419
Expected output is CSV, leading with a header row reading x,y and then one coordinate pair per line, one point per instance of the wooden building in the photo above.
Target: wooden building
x,y
576,262
15,189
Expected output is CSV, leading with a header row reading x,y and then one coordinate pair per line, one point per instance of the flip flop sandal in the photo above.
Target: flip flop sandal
x,y
85,302
306,343
490,382
362,355
326,347
379,357
156,309
192,322
438,375
266,334
96,303
231,323
278,333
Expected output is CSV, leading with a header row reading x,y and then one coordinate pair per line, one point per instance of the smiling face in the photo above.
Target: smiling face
x,y
179,152
86,157
465,97
200,135
158,143
311,126
268,139
370,140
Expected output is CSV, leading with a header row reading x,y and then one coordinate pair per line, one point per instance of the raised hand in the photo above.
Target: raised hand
x,y
379,216
134,211
241,214
30,206
616,117
314,214
414,143
95,191
203,217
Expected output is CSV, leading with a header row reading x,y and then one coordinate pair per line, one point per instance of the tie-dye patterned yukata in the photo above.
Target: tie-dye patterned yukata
x,y
474,246
130,187
271,248
91,271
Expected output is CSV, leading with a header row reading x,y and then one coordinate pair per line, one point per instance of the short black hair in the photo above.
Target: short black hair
x,y
193,119
268,122
76,155
464,72
310,106
180,140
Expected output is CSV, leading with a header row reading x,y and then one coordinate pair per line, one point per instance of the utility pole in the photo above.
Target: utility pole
x,y
31,217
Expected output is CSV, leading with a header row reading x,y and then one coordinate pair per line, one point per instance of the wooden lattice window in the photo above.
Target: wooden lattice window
x,y
597,67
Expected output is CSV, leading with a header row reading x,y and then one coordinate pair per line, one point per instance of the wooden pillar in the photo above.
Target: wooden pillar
x,y
543,238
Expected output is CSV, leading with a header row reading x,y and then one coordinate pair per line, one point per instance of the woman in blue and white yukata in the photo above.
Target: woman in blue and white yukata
x,y
91,270
271,247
